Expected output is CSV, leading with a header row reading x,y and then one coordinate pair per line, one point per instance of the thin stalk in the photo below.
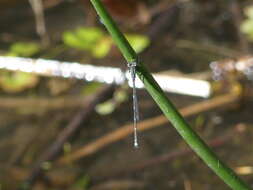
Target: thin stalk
x,y
183,128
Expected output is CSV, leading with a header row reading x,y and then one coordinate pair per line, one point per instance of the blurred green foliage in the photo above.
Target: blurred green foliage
x,y
90,88
23,49
138,42
109,106
82,183
99,44
13,82
106,107
82,38
93,40
247,25
17,81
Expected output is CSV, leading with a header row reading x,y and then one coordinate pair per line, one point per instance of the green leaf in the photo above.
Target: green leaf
x,y
106,107
90,35
120,96
83,38
102,48
82,183
24,49
138,42
99,44
90,88
249,12
17,81
72,40
247,28
247,25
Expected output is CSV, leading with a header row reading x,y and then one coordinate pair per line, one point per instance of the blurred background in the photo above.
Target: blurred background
x,y
66,116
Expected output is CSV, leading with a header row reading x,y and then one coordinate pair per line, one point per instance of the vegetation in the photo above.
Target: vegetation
x,y
66,108
188,134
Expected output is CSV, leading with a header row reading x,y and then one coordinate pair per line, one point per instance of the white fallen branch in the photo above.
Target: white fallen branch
x,y
109,75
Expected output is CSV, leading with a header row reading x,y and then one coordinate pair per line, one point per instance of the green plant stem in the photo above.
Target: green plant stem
x,y
188,134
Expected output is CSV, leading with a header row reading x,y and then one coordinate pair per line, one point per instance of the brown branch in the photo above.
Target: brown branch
x,y
214,143
66,134
43,103
209,48
147,124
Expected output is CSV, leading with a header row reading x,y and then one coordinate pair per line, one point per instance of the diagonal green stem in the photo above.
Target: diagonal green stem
x,y
188,134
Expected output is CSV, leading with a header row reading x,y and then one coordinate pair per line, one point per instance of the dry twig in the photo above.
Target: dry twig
x,y
66,134
42,102
126,130
216,142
